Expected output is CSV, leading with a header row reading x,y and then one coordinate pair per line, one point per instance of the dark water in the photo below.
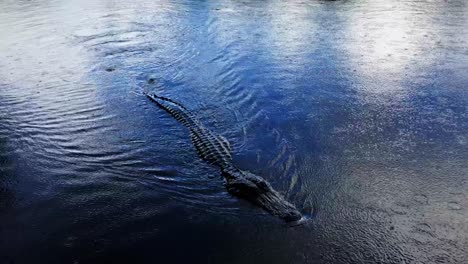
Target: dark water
x,y
357,108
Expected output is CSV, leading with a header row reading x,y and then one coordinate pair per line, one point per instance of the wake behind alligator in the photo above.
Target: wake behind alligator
x,y
216,150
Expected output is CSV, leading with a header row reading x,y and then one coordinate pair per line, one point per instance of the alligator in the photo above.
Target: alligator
x,y
216,150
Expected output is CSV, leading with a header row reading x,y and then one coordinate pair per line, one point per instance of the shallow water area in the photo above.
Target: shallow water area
x,y
356,111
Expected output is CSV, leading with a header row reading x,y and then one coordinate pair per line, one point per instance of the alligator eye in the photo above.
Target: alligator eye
x,y
262,185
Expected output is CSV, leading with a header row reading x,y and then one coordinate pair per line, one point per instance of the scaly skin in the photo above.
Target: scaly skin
x,y
216,150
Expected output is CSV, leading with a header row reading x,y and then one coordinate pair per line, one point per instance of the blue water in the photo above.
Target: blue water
x,y
355,110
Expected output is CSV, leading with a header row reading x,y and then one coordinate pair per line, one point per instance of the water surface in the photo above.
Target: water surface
x,y
355,108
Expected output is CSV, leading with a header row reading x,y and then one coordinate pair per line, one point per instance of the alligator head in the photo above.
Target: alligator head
x,y
255,189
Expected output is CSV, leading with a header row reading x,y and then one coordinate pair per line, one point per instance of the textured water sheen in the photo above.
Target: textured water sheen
x,y
355,108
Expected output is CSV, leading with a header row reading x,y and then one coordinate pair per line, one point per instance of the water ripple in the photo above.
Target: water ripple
x,y
355,111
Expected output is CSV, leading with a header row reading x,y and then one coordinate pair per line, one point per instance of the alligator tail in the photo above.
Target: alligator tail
x,y
178,111
211,147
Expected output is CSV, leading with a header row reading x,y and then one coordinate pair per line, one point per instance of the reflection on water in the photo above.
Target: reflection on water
x,y
354,109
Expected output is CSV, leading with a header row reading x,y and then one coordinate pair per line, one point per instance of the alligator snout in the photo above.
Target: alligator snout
x,y
257,190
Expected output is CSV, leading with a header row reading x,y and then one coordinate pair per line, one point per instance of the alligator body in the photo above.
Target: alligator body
x,y
216,150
